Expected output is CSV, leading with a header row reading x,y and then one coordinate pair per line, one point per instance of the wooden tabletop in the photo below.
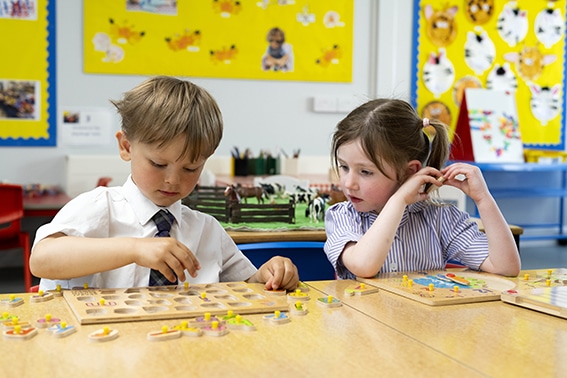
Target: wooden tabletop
x,y
315,235
381,334
493,338
327,341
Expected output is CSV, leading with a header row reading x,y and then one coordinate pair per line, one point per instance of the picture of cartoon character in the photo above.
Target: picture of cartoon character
x,y
279,54
441,25
512,24
479,50
438,73
479,11
549,27
545,103
502,78
530,62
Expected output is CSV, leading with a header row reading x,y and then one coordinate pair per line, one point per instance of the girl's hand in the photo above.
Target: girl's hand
x,y
468,178
413,189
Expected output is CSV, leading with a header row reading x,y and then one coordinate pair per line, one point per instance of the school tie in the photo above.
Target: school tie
x,y
163,220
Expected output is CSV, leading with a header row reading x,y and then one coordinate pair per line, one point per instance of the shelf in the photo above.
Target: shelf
x,y
511,184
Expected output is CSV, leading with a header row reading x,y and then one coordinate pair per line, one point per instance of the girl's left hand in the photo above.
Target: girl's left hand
x,y
468,178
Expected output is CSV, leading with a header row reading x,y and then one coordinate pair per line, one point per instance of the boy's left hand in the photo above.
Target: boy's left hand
x,y
277,273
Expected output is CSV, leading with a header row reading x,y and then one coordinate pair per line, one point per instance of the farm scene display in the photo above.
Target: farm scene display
x,y
264,203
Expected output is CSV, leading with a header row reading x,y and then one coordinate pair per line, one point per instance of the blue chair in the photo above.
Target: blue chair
x,y
308,256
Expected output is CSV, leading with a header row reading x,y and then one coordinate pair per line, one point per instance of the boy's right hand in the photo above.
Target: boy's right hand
x,y
167,255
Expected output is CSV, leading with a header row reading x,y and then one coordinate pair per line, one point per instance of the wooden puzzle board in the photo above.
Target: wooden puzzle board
x,y
171,302
536,293
483,287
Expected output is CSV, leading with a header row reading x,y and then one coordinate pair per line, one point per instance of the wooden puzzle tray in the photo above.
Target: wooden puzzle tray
x,y
434,288
544,291
94,306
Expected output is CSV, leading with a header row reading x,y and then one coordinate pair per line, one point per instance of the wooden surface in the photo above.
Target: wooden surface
x,y
270,236
316,235
493,338
326,342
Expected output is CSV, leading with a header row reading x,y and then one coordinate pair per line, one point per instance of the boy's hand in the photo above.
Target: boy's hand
x,y
167,255
277,273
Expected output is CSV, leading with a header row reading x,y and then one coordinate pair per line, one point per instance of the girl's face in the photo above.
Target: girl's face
x,y
158,172
362,182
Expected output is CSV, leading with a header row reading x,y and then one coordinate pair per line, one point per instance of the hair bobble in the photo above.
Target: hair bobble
x,y
425,122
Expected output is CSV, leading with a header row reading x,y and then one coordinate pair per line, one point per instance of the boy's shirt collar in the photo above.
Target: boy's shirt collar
x,y
142,206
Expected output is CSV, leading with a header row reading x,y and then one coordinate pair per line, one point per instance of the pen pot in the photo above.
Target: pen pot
x,y
240,167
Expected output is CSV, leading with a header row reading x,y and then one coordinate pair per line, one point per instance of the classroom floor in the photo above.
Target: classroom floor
x,y
535,255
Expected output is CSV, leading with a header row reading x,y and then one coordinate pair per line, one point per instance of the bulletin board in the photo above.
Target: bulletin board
x,y
516,46
220,38
27,73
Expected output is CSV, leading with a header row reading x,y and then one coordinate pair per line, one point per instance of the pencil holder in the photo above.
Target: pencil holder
x,y
240,167
290,166
257,166
273,166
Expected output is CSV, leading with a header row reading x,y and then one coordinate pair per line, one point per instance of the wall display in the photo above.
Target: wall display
x,y
247,39
513,46
27,73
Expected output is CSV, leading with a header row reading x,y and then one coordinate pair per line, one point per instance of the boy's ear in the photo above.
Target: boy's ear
x,y
123,146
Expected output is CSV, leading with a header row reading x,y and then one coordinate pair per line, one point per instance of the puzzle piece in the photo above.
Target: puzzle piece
x,y
103,335
329,301
61,330
165,334
277,317
12,301
19,333
361,289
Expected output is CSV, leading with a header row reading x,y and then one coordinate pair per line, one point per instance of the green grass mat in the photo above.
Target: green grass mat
x,y
301,223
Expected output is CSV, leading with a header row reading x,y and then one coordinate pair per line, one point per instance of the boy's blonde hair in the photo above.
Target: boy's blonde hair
x,y
390,131
162,109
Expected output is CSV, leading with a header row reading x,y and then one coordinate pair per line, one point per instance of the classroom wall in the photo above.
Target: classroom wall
x,y
257,114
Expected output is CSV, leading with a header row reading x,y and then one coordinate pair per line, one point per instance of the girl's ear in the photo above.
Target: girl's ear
x,y
123,146
413,167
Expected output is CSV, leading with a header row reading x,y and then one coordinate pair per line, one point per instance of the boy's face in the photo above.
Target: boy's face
x,y
158,172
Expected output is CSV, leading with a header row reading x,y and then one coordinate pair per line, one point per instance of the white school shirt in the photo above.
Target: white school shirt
x,y
123,211
428,236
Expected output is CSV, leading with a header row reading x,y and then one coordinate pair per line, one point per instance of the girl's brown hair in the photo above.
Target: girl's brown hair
x,y
162,109
391,132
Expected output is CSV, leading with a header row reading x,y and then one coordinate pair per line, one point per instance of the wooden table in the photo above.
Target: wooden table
x,y
326,342
491,338
380,334
319,235
241,237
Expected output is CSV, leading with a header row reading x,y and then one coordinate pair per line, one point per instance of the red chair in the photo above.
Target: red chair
x,y
11,234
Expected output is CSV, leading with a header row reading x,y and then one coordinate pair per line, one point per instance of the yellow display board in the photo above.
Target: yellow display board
x,y
220,38
516,46
27,73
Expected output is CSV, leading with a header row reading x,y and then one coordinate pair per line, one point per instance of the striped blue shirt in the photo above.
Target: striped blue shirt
x,y
429,235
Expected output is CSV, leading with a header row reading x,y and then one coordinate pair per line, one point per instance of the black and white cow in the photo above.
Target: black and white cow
x,y
316,210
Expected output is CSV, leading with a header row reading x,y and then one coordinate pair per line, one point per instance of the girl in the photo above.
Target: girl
x,y
387,157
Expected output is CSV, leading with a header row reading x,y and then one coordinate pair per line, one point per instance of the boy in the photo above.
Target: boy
x,y
105,237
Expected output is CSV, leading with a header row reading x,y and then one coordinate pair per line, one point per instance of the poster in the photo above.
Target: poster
x,y
491,119
513,46
27,73
245,39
